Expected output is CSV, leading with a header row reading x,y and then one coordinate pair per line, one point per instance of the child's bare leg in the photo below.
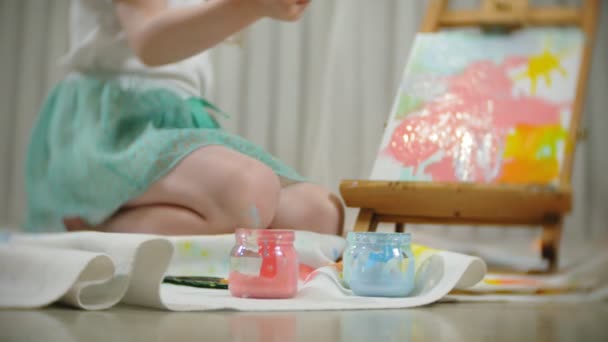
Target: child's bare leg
x,y
155,219
214,190
306,206
211,191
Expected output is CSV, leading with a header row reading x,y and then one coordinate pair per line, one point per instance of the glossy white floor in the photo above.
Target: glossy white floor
x,y
441,322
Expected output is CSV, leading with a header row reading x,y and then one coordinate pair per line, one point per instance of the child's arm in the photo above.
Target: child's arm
x,y
160,35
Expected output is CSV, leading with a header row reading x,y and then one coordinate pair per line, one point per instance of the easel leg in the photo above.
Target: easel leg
x,y
366,221
399,227
550,242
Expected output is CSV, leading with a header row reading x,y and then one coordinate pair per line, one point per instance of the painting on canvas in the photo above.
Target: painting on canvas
x,y
485,108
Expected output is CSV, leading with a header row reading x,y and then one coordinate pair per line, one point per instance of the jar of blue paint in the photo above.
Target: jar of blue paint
x,y
379,264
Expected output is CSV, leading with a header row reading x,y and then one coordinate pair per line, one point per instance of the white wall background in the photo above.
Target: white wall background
x,y
315,93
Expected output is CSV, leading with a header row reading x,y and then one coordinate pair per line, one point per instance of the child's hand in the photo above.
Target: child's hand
x,y
287,10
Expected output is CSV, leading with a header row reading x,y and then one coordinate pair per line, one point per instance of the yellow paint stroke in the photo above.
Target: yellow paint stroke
x,y
529,171
422,254
531,154
542,65
505,281
186,246
204,253
418,250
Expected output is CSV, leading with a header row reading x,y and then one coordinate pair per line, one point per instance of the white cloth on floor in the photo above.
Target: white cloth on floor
x,y
92,271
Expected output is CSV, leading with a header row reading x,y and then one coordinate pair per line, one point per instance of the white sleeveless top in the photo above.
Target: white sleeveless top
x,y
98,44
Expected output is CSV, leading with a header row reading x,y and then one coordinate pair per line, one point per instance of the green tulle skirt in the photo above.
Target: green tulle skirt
x,y
97,144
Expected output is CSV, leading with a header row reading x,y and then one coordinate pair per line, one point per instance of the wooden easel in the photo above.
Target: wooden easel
x,y
484,204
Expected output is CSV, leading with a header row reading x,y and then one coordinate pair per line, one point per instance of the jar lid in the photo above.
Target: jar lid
x,y
379,238
265,235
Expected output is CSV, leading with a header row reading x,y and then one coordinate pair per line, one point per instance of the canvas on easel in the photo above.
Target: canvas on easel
x,y
484,126
483,108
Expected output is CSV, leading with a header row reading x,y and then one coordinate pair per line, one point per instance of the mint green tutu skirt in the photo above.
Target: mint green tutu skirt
x,y
98,144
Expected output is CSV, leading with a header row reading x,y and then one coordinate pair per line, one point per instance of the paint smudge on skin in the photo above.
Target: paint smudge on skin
x,y
255,216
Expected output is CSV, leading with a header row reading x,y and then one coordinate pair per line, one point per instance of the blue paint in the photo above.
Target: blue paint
x,y
335,253
379,264
5,237
409,174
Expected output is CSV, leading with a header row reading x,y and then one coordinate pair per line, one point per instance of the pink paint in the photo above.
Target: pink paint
x,y
469,123
305,271
263,264
443,170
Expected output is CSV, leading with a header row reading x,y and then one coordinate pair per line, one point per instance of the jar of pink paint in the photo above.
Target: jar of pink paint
x,y
263,264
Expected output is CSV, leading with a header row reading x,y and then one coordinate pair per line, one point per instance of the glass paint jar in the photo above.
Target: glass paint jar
x,y
263,264
379,264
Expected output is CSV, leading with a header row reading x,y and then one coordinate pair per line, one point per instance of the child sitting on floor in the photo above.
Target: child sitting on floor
x,y
127,142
